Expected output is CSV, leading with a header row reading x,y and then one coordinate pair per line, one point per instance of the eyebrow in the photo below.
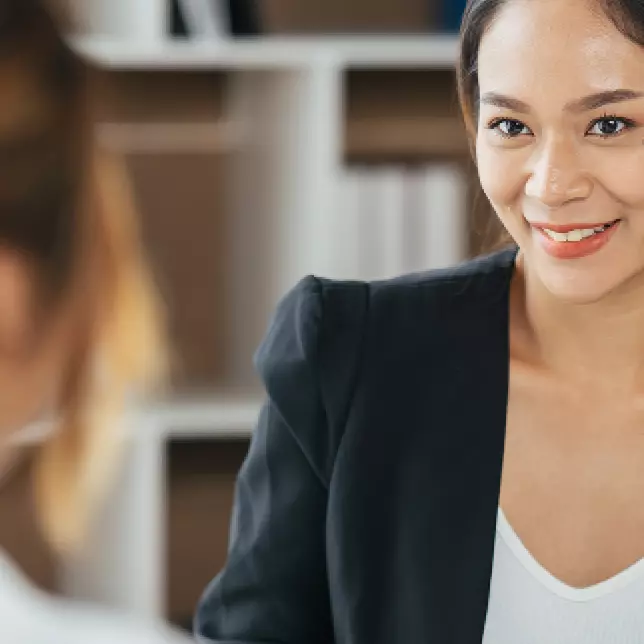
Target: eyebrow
x,y
590,102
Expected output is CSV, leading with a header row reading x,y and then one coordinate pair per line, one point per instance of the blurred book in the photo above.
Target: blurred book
x,y
388,186
414,257
385,17
393,220
244,17
442,191
178,27
349,258
451,15
204,19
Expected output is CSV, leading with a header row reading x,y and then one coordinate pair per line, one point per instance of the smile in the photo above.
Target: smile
x,y
574,241
576,234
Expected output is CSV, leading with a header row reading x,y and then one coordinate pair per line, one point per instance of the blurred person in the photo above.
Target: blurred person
x,y
458,455
81,328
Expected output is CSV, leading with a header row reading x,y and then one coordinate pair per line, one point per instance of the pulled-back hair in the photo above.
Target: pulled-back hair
x,y
66,207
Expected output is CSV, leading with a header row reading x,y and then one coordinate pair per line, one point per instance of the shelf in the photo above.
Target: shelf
x,y
220,417
424,51
217,418
170,138
418,138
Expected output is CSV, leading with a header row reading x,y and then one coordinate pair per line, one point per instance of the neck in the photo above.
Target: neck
x,y
592,343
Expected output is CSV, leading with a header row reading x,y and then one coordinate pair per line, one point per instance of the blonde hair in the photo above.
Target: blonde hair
x,y
120,352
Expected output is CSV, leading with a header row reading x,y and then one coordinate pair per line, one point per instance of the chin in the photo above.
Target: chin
x,y
583,282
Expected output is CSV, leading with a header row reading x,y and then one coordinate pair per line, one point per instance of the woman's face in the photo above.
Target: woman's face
x,y
560,144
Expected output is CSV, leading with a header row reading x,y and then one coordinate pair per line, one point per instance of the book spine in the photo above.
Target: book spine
x,y
348,243
387,217
444,190
203,18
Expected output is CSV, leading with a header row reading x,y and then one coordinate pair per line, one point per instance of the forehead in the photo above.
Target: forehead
x,y
556,49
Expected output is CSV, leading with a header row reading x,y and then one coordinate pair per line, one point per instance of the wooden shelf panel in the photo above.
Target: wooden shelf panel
x,y
405,137
402,114
182,201
339,16
201,479
160,96
169,138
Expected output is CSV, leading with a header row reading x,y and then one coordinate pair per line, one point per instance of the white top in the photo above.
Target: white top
x,y
528,605
30,616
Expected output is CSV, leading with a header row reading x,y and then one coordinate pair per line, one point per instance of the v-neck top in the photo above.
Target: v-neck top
x,y
529,605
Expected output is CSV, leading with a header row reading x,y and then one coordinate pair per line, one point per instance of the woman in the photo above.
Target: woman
x,y
458,456
79,322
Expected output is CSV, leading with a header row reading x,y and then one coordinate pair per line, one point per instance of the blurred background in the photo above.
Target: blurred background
x,y
265,140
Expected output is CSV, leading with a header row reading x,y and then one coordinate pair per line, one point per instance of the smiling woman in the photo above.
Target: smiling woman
x,y
458,456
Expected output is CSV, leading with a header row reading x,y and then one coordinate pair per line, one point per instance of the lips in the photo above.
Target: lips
x,y
574,241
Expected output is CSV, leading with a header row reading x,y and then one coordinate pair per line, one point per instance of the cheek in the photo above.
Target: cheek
x,y
500,177
622,177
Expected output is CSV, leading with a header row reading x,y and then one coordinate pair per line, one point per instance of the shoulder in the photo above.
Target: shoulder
x,y
30,616
85,624
473,287
479,280
323,330
320,312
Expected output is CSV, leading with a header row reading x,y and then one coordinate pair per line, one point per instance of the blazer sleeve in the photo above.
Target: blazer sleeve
x,y
274,586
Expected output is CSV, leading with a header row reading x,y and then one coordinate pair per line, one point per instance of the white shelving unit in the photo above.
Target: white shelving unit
x,y
124,566
135,20
286,119
434,51
286,108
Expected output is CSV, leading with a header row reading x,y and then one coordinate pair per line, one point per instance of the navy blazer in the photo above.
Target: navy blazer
x,y
365,511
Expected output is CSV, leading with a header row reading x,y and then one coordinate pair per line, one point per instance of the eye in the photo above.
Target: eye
x,y
509,128
610,126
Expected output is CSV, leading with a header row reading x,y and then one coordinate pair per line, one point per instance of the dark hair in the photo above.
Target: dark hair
x,y
65,207
626,15
42,167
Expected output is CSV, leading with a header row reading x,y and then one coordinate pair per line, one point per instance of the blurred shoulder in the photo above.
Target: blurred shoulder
x,y
30,616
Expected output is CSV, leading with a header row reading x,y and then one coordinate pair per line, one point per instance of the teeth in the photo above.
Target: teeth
x,y
577,235
574,235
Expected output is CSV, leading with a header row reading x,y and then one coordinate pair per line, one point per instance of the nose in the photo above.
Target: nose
x,y
556,176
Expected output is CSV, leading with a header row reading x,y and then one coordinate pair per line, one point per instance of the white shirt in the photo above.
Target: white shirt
x,y
30,616
528,605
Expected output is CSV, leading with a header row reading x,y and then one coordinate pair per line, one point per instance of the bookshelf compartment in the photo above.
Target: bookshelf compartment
x,y
200,486
20,536
161,96
402,114
182,202
359,16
